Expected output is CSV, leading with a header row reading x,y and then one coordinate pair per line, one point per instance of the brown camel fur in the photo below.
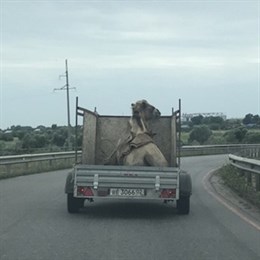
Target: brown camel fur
x,y
139,148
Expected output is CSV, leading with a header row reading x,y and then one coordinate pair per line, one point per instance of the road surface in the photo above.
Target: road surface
x,y
34,224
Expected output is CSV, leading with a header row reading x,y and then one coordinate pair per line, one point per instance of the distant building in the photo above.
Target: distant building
x,y
187,117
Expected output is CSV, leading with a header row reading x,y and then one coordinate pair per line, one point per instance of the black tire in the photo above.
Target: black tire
x,y
74,204
183,205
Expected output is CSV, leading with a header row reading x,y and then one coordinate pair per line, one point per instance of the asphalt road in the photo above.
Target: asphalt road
x,y
35,224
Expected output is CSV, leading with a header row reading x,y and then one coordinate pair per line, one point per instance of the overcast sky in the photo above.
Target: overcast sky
x,y
204,52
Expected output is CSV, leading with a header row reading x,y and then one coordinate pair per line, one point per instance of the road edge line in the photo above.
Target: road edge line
x,y
236,210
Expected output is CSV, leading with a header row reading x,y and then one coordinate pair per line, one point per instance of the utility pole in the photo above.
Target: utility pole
x,y
67,88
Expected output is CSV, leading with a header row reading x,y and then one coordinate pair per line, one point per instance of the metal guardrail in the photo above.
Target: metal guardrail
x,y
250,167
16,165
31,163
14,159
245,150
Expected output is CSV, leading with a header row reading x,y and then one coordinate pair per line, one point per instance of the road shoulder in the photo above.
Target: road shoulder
x,y
215,185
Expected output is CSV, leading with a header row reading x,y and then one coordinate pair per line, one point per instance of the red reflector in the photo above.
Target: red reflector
x,y
85,191
168,193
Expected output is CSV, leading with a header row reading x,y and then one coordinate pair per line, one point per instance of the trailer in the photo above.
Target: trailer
x,y
92,179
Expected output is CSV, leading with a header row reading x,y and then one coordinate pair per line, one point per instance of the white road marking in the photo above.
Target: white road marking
x,y
225,203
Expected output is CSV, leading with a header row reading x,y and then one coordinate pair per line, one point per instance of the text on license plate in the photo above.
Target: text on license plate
x,y
127,192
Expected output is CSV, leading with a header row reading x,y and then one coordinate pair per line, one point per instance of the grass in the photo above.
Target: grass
x,y
185,138
236,180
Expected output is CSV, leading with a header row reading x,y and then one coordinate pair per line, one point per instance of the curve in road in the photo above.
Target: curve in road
x,y
34,224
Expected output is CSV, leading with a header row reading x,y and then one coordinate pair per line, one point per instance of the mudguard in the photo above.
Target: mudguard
x,y
185,184
69,186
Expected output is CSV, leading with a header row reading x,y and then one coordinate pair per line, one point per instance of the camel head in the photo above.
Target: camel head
x,y
142,113
145,110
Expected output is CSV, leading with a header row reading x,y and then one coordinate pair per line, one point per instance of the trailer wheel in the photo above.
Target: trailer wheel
x,y
183,205
73,204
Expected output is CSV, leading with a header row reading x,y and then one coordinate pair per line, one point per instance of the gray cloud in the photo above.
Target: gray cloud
x,y
205,52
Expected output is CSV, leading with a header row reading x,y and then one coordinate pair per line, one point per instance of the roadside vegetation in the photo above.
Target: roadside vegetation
x,y
26,139
236,180
198,131
215,130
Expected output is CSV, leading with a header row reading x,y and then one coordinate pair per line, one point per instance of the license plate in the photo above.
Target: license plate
x,y
127,192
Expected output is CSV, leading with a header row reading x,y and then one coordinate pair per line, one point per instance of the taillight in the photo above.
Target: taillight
x,y
168,193
85,191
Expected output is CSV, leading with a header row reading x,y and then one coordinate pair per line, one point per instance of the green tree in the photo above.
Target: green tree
x,y
200,134
59,139
197,120
54,126
236,135
29,141
41,140
252,138
256,119
7,137
2,148
213,139
214,122
21,131
248,119
231,123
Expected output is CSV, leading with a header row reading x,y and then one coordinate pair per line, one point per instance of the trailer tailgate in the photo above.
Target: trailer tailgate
x,y
125,181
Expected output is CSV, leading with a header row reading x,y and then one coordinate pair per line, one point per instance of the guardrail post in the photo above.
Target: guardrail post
x,y
248,177
257,182
254,153
27,168
249,154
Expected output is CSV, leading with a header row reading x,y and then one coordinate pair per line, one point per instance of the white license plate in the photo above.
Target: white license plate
x,y
127,192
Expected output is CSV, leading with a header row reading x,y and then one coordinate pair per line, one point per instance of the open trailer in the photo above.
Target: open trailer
x,y
91,179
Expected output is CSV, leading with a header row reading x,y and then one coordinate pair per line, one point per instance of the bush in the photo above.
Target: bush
x,y
200,134
59,139
8,137
235,179
213,139
29,141
252,138
236,135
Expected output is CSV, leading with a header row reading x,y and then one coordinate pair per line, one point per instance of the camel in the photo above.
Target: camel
x,y
139,148
146,112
